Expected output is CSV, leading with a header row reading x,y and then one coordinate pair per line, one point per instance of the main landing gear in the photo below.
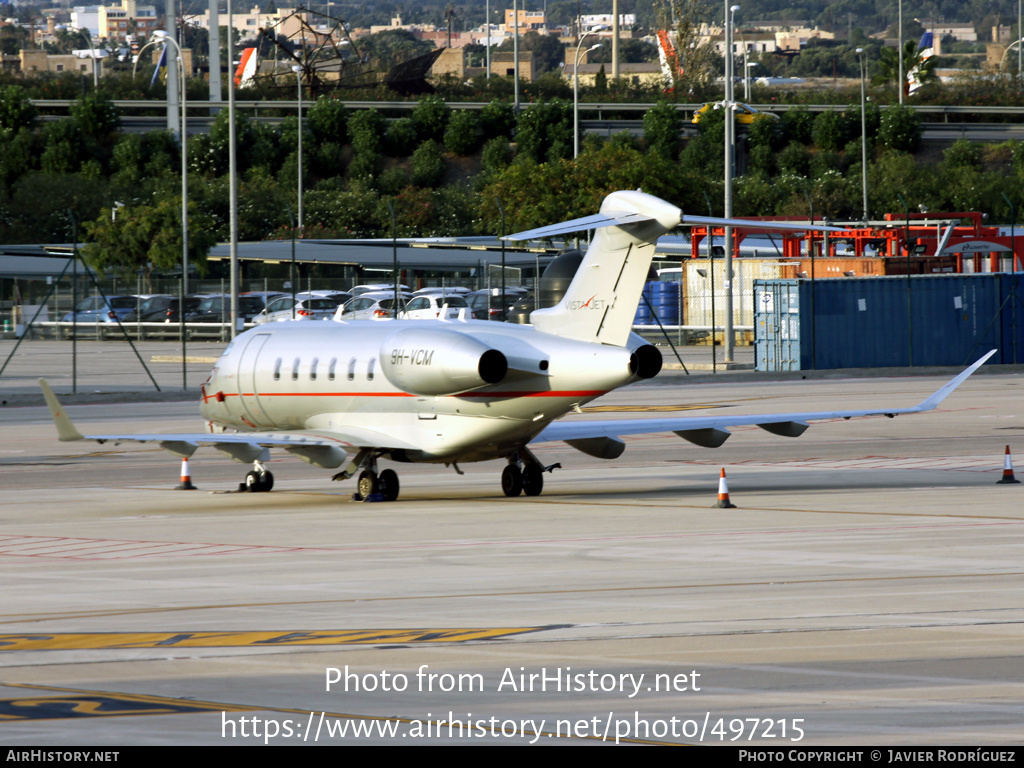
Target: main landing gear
x,y
526,477
258,480
385,484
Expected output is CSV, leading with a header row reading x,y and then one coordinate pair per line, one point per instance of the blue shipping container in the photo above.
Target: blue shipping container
x,y
875,322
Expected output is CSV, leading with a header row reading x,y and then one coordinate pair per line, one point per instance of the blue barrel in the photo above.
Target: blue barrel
x,y
643,310
665,300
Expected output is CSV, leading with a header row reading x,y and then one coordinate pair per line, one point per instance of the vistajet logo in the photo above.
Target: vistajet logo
x,y
592,303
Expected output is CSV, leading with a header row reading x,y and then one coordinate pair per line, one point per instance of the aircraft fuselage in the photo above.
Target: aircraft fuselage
x,y
439,386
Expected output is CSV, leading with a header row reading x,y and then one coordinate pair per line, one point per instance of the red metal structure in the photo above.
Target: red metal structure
x,y
905,242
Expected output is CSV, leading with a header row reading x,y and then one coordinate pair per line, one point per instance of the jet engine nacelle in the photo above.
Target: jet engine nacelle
x,y
645,359
425,361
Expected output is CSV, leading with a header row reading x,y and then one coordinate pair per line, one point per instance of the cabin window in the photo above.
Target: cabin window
x,y
312,369
330,368
277,369
369,369
351,369
295,369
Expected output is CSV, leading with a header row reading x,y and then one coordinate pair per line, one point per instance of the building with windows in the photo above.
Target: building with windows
x,y
116,22
527,20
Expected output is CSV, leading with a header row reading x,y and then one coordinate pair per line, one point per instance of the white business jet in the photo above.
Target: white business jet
x,y
460,390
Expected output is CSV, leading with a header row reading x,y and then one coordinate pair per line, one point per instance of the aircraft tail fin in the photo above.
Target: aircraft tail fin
x,y
603,296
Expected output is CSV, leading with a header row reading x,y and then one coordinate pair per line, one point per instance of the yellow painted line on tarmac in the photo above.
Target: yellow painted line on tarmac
x,y
74,702
70,641
89,704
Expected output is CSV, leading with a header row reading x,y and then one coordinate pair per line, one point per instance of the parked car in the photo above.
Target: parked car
x,y
359,290
370,306
217,309
429,307
490,305
98,310
451,290
302,307
161,309
265,297
745,114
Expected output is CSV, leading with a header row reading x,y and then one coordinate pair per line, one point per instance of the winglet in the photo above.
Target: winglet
x,y
944,391
65,429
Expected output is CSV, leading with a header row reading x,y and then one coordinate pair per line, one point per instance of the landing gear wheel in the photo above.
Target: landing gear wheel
x,y
258,482
252,481
388,482
512,480
368,483
533,480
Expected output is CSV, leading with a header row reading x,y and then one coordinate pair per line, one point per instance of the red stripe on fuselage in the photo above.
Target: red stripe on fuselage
x,y
527,393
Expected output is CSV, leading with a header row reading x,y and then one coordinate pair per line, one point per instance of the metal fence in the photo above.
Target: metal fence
x,y
682,312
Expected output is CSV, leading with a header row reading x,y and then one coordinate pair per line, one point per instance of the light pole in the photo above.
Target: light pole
x,y
515,52
166,39
576,93
730,139
298,75
899,49
863,135
232,174
92,47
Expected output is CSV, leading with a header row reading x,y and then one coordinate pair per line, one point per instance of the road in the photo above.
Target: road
x,y
866,590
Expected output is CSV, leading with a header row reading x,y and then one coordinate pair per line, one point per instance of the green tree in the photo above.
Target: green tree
x,y
431,116
19,155
703,153
900,129
139,159
544,131
662,125
963,154
16,111
393,46
428,166
146,238
97,116
464,134
328,120
498,118
830,131
798,124
402,137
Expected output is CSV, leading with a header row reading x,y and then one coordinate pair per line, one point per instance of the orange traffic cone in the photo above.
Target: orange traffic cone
x,y
723,493
1008,470
186,477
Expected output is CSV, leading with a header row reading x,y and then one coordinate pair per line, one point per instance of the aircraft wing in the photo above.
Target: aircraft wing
x,y
599,437
325,448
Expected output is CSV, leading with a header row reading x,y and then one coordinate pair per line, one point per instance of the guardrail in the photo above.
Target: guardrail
x,y
278,109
